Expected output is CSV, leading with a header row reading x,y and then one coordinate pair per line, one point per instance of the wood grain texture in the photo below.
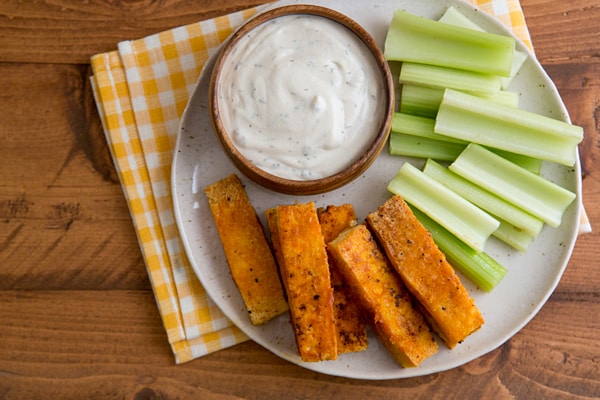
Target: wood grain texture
x,y
62,212
70,31
78,317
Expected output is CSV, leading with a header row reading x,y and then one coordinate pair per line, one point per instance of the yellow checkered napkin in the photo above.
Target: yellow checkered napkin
x,y
141,90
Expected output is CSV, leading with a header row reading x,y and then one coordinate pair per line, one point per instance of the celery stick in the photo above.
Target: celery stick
x,y
503,97
478,267
468,222
518,60
416,39
425,143
493,204
534,194
416,146
529,163
467,117
419,126
512,236
442,77
454,17
420,100
425,101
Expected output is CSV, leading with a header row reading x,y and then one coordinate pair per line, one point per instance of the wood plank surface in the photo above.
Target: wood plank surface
x,y
78,317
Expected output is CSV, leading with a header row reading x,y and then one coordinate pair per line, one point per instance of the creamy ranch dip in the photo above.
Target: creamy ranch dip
x,y
301,97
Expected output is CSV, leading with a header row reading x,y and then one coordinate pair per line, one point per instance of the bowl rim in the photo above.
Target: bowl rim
x,y
340,178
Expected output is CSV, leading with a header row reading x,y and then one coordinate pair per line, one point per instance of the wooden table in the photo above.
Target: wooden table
x,y
78,317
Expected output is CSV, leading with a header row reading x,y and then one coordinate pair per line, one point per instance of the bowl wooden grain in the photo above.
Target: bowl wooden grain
x,y
358,166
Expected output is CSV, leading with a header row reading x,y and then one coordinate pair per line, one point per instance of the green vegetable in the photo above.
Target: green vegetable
x,y
423,147
420,100
466,221
478,267
529,163
415,39
419,126
442,77
505,97
534,194
482,121
512,236
425,101
454,17
426,145
493,204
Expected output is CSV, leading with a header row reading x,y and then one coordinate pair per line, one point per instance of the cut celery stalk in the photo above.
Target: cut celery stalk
x,y
534,194
425,101
474,119
415,39
442,77
518,60
529,163
503,97
454,17
419,126
402,144
479,267
420,100
466,221
407,124
493,204
512,236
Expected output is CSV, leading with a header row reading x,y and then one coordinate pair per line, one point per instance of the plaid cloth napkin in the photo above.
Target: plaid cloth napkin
x,y
141,90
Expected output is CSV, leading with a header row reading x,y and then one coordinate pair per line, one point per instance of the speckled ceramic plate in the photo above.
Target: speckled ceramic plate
x,y
199,160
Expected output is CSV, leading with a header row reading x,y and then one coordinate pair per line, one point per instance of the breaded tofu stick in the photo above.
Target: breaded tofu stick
x,y
300,250
251,261
381,294
411,250
349,323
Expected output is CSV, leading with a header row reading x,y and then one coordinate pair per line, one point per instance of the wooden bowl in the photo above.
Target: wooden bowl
x,y
353,167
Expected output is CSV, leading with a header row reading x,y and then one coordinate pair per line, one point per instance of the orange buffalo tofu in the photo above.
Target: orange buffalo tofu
x,y
300,251
350,325
411,250
383,297
249,256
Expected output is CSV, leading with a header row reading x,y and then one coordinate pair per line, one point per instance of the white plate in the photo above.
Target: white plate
x,y
199,160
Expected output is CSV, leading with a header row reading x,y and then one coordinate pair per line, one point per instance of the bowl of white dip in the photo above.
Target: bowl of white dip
x,y
301,99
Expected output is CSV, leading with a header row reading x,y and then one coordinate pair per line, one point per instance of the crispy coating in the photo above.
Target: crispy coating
x,y
383,297
300,250
350,325
247,250
411,250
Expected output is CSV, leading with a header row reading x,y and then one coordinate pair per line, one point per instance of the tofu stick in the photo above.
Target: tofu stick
x,y
350,325
300,250
383,297
249,256
423,268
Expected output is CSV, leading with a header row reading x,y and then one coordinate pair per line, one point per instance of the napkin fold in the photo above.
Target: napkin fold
x,y
141,90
